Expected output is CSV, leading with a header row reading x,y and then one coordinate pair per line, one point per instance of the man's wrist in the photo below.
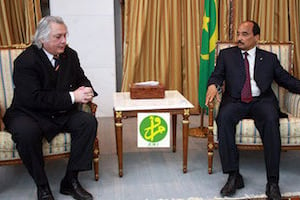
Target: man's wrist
x,y
219,88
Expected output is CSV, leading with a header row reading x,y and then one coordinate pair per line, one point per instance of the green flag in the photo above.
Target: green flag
x,y
208,45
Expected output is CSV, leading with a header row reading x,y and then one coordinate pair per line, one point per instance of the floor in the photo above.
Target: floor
x,y
154,174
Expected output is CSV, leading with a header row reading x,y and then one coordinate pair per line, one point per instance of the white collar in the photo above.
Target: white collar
x,y
49,55
251,52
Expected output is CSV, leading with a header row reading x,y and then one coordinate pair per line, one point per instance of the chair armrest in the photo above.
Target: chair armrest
x,y
1,121
210,135
211,106
213,109
88,107
1,124
292,104
93,107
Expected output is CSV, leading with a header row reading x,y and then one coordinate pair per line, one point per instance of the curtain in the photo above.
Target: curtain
x,y
162,38
294,10
162,43
18,20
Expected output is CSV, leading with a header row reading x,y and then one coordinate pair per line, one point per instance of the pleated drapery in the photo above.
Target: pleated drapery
x,y
162,43
18,20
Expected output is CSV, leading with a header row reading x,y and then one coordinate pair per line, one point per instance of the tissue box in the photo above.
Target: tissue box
x,y
147,91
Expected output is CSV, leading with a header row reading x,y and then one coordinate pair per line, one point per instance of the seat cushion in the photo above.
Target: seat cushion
x,y
60,144
246,132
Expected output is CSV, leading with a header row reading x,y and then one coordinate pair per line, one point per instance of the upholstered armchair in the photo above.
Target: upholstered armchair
x,y
247,136
59,147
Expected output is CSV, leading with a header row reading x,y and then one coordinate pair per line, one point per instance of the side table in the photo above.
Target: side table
x,y
174,103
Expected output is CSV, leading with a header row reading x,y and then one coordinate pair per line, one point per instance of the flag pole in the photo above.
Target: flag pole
x,y
207,58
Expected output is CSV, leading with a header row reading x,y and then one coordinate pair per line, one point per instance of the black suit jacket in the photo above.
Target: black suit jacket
x,y
230,68
43,93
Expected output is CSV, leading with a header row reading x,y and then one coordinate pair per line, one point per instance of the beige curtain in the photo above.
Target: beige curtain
x,y
162,43
294,10
18,19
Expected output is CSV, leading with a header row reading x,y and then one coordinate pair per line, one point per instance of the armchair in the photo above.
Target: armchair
x,y
59,147
247,136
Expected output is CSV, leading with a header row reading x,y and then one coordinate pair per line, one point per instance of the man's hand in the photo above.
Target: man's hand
x,y
211,93
83,94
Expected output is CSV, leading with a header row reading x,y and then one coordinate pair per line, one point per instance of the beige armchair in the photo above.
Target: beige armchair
x,y
59,147
247,136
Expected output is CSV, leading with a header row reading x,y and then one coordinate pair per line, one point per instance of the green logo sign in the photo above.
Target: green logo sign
x,y
153,128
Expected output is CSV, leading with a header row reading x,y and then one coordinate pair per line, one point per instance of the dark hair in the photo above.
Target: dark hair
x,y
256,29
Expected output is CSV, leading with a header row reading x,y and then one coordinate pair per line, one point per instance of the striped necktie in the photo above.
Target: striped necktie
x,y
56,62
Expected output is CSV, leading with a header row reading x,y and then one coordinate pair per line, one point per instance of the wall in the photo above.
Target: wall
x,y
91,34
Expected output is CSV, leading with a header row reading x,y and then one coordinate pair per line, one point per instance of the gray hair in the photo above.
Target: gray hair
x,y
43,29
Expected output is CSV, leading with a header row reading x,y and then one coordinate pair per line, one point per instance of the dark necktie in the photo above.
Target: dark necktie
x,y
56,62
246,95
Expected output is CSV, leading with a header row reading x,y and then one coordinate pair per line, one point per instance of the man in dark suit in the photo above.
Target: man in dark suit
x,y
49,84
249,96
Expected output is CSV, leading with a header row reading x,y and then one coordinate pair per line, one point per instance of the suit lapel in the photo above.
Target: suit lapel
x,y
47,66
62,76
239,62
258,62
46,62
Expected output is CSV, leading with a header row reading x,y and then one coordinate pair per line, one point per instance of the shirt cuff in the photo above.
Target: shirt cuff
x,y
72,97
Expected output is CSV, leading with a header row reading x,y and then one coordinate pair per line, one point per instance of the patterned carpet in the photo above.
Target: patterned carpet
x,y
287,196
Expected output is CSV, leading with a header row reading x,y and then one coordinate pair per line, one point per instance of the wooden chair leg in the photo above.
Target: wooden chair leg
x,y
210,154
210,138
96,154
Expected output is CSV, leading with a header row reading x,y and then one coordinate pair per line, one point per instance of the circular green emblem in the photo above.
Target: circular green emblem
x,y
153,128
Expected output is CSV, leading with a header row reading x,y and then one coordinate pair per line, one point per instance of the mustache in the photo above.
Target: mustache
x,y
240,42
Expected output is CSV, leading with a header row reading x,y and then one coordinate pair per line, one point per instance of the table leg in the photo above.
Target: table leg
x,y
174,123
115,121
185,131
119,140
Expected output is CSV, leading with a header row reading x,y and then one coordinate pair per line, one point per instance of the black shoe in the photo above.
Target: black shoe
x,y
74,189
44,193
234,182
272,191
